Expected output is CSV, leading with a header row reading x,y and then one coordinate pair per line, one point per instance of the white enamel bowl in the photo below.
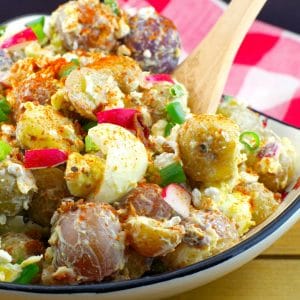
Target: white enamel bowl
x,y
172,283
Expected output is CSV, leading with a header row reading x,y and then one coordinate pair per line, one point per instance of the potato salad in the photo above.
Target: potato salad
x,y
105,172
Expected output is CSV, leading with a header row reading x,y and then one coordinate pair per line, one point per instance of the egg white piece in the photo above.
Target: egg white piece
x,y
126,161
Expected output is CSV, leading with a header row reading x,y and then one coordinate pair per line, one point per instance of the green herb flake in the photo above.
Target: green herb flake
x,y
173,173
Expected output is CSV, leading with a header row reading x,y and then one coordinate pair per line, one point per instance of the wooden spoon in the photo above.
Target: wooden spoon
x,y
205,71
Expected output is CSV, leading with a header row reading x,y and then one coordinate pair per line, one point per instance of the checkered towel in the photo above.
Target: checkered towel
x,y
266,70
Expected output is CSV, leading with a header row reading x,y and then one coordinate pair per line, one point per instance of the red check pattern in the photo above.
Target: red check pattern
x,y
266,71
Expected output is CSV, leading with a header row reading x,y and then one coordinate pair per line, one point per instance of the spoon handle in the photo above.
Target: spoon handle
x,y
205,71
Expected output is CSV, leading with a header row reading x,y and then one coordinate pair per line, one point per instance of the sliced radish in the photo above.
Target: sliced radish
x,y
178,198
155,78
20,38
44,158
119,116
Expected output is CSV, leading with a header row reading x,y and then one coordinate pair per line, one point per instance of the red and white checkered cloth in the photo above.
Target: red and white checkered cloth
x,y
266,71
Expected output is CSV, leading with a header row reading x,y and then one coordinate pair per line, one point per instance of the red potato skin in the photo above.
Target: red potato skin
x,y
88,241
146,200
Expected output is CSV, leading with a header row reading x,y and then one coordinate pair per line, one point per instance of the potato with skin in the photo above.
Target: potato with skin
x,y
89,90
124,69
152,238
52,189
41,126
21,246
208,147
87,243
146,200
207,233
262,200
16,188
85,24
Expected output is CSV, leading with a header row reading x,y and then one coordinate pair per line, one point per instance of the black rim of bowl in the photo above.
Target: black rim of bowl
x,y
107,287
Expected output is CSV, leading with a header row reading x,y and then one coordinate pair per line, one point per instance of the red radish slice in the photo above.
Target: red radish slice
x,y
119,116
44,158
155,78
24,36
178,198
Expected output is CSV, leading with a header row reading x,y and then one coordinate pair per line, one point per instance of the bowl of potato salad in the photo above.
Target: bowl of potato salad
x,y
110,186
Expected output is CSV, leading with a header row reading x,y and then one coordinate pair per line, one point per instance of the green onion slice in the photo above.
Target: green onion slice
x,y
90,146
67,69
176,112
28,274
168,129
250,140
4,106
113,4
89,125
172,174
176,90
5,150
3,116
75,61
37,27
2,29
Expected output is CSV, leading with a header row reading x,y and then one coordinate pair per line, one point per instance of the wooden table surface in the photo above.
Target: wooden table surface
x,y
274,275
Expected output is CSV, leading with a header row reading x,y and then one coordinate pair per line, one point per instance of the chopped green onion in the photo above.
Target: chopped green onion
x,y
2,29
89,125
90,146
227,98
3,116
172,174
168,129
4,106
113,5
75,61
66,70
28,274
176,90
5,150
37,27
176,112
250,140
